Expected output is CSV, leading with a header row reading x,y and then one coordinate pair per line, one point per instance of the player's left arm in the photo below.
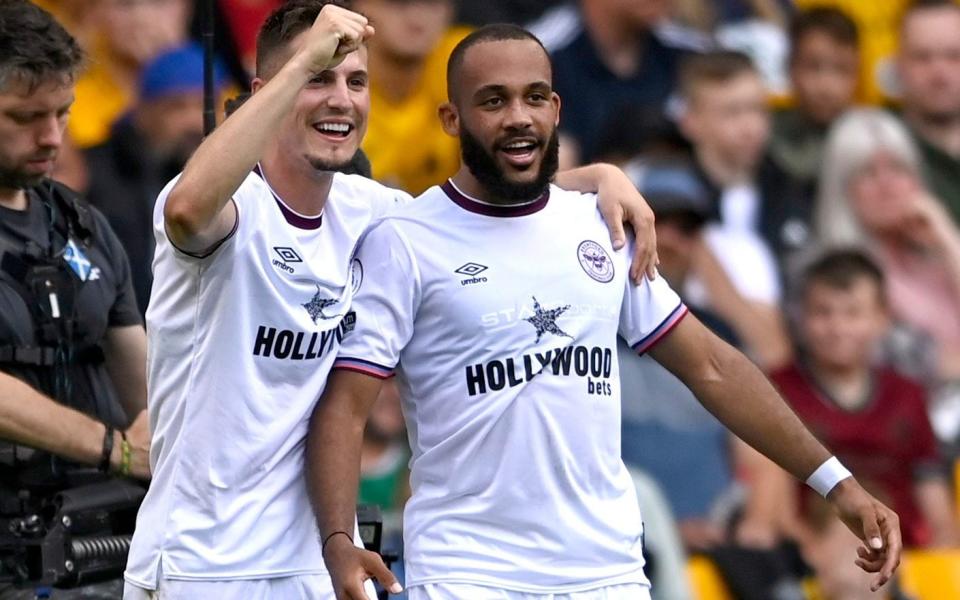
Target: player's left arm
x,y
619,202
741,397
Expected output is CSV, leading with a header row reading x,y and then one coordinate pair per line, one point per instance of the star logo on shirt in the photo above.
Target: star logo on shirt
x,y
545,321
317,305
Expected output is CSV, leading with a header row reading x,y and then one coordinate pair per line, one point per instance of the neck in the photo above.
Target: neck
x,y
301,187
14,199
470,186
942,132
394,78
848,385
617,40
720,172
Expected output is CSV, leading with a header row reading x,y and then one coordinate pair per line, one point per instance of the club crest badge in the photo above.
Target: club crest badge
x,y
595,261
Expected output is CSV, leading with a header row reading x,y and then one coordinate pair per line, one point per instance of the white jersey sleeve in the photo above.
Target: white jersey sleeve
x,y
650,310
385,303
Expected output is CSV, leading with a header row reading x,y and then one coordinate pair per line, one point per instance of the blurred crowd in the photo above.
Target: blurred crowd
x,y
803,161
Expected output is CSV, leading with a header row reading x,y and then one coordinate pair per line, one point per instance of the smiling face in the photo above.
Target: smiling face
x,y
31,130
505,113
329,118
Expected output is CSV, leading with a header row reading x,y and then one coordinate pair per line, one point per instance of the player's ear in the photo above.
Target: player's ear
x,y
555,100
256,84
449,118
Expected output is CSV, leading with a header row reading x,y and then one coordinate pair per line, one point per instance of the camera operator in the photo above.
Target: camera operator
x,y
72,346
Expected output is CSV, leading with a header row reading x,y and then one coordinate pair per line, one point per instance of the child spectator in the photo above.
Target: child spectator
x,y
726,119
824,64
873,418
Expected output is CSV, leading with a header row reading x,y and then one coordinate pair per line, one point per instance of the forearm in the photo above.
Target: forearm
x,y
31,419
333,454
227,156
126,350
586,179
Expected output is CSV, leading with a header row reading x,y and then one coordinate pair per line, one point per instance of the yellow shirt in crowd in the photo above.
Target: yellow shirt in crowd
x,y
406,146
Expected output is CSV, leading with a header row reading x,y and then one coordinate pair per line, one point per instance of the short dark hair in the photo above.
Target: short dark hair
x,y
918,5
831,21
841,268
292,18
718,66
496,32
34,47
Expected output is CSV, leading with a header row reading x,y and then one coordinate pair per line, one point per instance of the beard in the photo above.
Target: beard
x,y
320,164
488,173
13,179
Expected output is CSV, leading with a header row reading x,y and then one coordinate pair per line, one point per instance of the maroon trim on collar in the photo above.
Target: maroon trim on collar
x,y
494,210
298,221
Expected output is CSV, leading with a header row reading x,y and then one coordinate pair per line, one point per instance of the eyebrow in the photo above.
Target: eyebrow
x,y
499,88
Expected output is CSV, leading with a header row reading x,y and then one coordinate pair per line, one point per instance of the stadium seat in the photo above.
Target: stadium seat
x,y
931,575
706,581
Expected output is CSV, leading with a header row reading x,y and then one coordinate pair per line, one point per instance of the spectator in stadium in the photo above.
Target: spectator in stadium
x,y
147,147
726,119
872,194
824,71
755,27
125,36
928,69
873,417
406,146
610,55
72,346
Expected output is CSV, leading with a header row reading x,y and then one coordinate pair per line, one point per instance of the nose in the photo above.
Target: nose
x,y
49,132
339,95
517,115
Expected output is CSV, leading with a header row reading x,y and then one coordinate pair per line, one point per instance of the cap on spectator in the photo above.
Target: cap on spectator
x,y
177,71
671,187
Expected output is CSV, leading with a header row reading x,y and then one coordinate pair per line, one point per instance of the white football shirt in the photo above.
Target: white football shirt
x,y
240,344
501,324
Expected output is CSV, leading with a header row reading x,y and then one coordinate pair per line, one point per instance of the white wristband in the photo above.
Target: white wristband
x,y
827,476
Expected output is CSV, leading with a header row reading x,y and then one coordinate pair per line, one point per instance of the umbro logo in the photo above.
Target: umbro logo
x,y
287,255
471,270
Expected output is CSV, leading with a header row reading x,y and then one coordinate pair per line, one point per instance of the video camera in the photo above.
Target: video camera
x,y
78,536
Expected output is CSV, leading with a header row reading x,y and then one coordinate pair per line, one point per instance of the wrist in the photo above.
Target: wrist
x,y
107,449
828,476
331,540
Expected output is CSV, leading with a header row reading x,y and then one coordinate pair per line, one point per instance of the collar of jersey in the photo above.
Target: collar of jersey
x,y
493,210
293,217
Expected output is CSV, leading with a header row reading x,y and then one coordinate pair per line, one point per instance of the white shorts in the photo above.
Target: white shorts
x,y
460,591
298,587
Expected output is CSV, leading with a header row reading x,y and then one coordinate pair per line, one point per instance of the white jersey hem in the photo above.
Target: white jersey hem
x,y
225,576
636,576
